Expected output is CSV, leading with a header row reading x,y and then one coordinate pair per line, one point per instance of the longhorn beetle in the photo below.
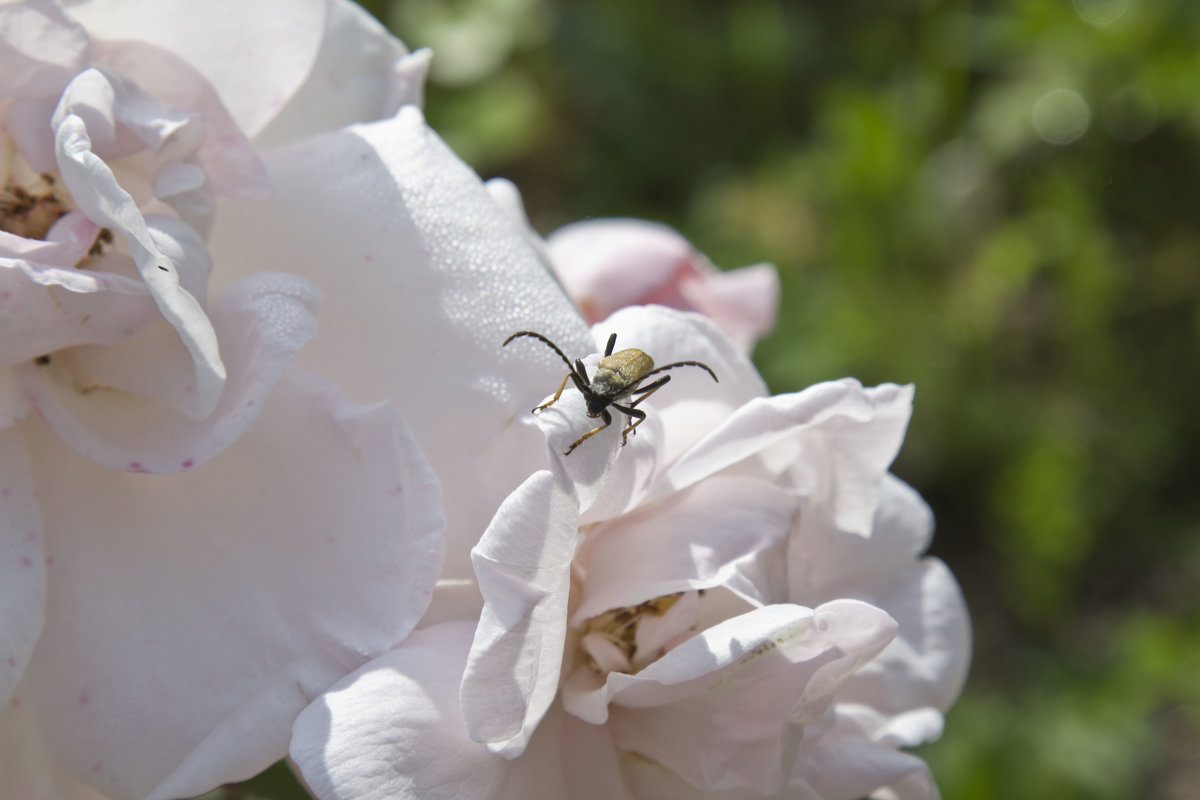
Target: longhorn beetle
x,y
618,376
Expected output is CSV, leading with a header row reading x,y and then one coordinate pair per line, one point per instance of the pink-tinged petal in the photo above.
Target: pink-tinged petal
x,y
715,708
119,418
609,264
95,190
361,73
228,159
41,49
22,562
711,535
255,55
743,302
29,770
523,564
307,548
842,435
393,730
423,278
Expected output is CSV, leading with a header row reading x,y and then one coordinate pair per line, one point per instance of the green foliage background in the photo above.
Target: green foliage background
x,y
995,201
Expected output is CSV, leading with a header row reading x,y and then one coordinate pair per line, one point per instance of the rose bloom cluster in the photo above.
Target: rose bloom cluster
x,y
270,485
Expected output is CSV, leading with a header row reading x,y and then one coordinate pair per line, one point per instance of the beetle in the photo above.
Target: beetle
x,y
618,375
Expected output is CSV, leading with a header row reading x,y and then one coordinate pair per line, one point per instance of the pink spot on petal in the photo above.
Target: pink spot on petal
x,y
26,562
136,466
84,698
249,403
12,662
368,258
49,560
6,492
188,463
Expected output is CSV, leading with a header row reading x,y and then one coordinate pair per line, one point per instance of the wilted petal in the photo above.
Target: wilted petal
x,y
523,564
22,562
269,561
265,319
393,729
714,535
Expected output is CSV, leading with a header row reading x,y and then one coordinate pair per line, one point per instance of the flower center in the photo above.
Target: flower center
x,y
628,638
29,210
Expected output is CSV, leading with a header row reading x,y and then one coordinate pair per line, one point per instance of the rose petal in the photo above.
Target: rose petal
x,y
692,402
836,767
229,162
28,769
523,564
713,535
393,730
423,277
927,663
45,308
743,302
269,561
714,708
41,49
361,73
97,193
845,434
264,318
22,562
254,81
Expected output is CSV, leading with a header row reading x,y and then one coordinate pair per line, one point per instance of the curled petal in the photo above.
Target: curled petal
x,y
523,564
246,559
45,308
393,730
813,420
95,189
265,319
22,562
714,709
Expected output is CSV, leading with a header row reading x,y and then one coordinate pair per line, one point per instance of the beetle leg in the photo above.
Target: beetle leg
x,y
557,394
636,414
645,391
607,421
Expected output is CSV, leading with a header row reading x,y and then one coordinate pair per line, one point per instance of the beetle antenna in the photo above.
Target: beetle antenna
x,y
704,367
548,343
